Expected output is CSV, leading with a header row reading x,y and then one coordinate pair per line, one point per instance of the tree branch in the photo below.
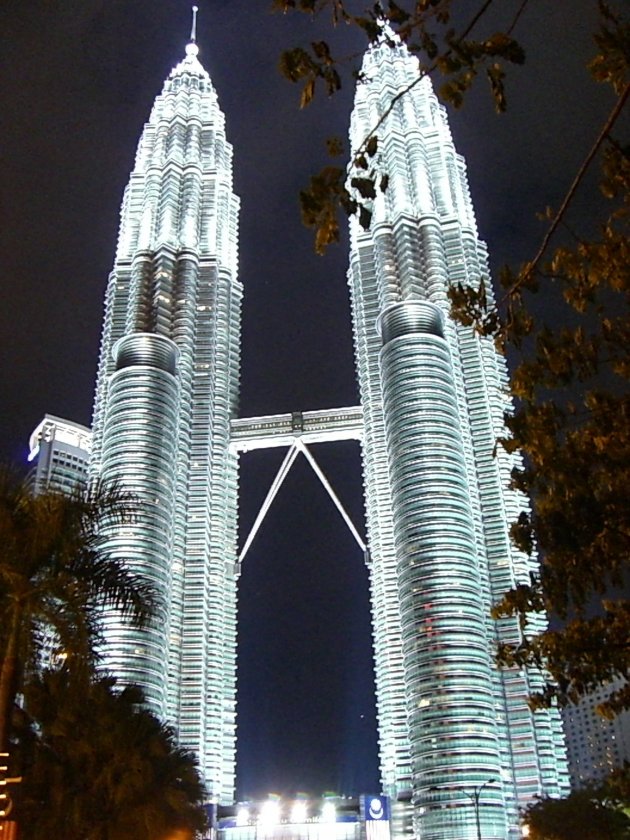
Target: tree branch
x,y
517,16
557,219
427,72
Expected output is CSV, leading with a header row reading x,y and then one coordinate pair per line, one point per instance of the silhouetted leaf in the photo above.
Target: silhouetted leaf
x,y
364,186
335,146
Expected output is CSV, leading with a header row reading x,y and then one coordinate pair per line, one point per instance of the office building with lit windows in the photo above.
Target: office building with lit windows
x,y
460,750
59,452
595,745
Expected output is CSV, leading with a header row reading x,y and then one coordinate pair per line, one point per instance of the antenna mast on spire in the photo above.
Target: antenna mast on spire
x,y
193,30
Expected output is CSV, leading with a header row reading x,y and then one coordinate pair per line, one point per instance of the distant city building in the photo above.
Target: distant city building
x,y
595,746
59,451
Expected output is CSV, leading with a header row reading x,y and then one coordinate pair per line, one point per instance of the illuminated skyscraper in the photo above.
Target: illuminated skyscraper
x,y
458,742
438,502
166,390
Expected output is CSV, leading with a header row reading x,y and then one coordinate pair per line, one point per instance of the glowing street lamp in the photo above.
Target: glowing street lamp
x,y
329,812
474,798
298,811
269,813
242,816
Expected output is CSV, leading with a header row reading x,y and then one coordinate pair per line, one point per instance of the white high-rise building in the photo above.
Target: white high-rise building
x,y
460,749
457,738
166,390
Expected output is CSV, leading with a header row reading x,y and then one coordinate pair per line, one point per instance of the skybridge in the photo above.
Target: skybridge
x,y
296,431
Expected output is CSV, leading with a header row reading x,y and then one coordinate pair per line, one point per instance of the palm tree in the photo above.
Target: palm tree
x,y
56,576
102,767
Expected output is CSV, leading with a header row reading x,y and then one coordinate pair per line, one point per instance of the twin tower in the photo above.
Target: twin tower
x,y
438,502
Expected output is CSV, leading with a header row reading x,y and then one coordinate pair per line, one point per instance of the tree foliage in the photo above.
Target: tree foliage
x,y
582,814
572,422
96,765
572,416
55,578
427,28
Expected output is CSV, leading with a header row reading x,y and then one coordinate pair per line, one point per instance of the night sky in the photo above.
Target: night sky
x,y
77,81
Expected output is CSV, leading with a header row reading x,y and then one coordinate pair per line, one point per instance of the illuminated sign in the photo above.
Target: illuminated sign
x,y
375,813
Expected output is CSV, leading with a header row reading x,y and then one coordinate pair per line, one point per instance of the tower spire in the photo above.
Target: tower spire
x,y
192,50
193,29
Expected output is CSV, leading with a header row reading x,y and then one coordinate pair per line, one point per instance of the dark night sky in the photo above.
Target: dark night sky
x,y
77,80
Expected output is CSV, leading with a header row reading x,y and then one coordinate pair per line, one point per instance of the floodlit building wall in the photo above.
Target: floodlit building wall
x,y
166,391
437,496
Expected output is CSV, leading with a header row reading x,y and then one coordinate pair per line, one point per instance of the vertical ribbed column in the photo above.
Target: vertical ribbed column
x,y
388,666
139,444
448,683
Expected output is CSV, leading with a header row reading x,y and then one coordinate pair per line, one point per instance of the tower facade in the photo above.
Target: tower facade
x,y
167,387
458,743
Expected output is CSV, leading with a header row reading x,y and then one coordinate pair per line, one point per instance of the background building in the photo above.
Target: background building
x,y
59,451
595,746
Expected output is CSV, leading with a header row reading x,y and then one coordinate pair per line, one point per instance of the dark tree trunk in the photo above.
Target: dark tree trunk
x,y
8,676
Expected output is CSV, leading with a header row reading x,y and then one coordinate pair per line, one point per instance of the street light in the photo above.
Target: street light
x,y
474,798
269,814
